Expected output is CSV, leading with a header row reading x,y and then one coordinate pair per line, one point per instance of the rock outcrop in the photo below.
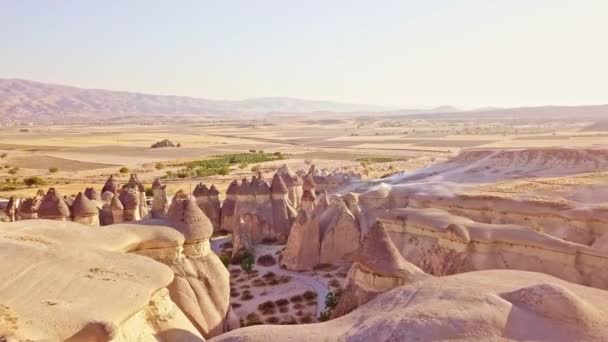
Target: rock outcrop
x,y
492,305
443,244
164,143
378,267
89,285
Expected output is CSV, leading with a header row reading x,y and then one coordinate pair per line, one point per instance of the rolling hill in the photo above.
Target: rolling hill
x,y
22,100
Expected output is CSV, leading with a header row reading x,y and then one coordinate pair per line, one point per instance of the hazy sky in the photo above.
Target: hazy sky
x,y
396,53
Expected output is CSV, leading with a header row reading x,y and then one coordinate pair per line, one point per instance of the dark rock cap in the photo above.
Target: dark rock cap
x,y
185,216
111,185
158,185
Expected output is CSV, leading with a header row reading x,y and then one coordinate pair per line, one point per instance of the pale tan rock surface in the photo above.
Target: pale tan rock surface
x,y
85,210
282,210
209,202
228,218
135,184
339,231
443,244
496,305
303,245
201,288
68,281
130,200
378,267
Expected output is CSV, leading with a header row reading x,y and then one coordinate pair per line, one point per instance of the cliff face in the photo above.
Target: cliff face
x,y
443,244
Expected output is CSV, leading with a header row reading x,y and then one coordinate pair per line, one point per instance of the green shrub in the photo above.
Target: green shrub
x,y
247,261
160,166
34,180
331,301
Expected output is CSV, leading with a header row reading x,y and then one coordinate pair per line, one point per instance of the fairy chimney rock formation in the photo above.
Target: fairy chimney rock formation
x,y
28,209
85,210
92,194
322,202
53,207
308,182
209,202
117,210
201,287
130,201
282,211
160,202
105,213
378,267
11,209
302,250
214,208
111,185
293,183
138,186
340,233
228,219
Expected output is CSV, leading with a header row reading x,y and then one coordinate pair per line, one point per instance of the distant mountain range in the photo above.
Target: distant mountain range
x,y
28,101
22,100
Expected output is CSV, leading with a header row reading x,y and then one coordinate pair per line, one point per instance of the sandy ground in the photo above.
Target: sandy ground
x,y
273,295
87,154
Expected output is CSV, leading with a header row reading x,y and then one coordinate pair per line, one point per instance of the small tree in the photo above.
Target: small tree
x,y
123,170
252,151
53,169
331,301
160,166
247,261
31,181
13,171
